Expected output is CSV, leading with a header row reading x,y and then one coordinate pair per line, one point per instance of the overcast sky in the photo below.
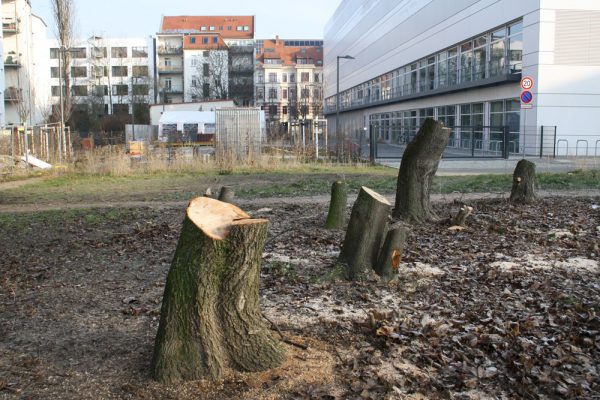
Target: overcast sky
x,y
304,19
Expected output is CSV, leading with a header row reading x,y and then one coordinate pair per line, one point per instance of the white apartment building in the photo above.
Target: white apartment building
x,y
23,81
203,58
288,80
462,62
108,74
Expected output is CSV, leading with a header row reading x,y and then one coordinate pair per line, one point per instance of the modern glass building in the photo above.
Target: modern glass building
x,y
462,62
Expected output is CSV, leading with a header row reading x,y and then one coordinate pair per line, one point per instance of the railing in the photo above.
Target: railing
x,y
9,25
173,90
170,50
170,69
448,81
11,62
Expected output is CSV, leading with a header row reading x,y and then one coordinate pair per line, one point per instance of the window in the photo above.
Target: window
x,y
240,28
79,52
100,90
54,72
192,40
99,71
79,90
221,27
284,94
139,52
119,71
120,90
284,110
205,69
140,70
202,28
55,91
206,90
292,78
305,77
272,77
205,53
305,93
140,90
54,53
79,72
212,28
120,109
273,109
215,39
118,52
284,78
205,40
316,78
515,47
98,52
272,94
246,28
229,27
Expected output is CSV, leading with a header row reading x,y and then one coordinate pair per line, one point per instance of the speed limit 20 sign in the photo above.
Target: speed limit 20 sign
x,y
527,83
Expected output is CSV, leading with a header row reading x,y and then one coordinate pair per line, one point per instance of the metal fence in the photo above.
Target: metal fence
x,y
389,142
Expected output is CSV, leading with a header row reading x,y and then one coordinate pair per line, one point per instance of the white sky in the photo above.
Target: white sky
x,y
292,19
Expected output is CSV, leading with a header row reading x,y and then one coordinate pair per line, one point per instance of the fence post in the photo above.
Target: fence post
x,y
505,144
554,151
542,142
371,145
472,143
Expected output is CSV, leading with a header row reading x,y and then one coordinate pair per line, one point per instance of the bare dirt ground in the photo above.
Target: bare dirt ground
x,y
508,308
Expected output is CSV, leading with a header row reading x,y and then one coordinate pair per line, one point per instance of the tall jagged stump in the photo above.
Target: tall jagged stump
x,y
210,316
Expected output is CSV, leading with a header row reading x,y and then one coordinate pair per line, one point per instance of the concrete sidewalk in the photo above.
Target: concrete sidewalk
x,y
499,166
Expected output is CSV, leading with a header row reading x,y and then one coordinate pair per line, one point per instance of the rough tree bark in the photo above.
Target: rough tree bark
x,y
390,256
523,188
336,217
417,169
210,316
461,217
226,194
364,234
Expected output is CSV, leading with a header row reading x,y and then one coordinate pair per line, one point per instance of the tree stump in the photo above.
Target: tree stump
x,y
336,217
417,169
226,194
364,234
523,188
210,317
208,193
461,217
390,256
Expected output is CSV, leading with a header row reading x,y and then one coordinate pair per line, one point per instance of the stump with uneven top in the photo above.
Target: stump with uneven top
x,y
210,317
364,235
523,188
336,217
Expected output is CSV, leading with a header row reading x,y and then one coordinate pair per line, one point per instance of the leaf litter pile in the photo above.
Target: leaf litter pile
x,y
507,308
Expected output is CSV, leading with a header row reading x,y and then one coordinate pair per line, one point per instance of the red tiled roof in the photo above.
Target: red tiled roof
x,y
227,26
197,42
276,48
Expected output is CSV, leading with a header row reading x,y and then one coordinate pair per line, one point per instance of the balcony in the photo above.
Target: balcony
x,y
173,90
9,26
460,80
170,69
170,50
13,95
12,62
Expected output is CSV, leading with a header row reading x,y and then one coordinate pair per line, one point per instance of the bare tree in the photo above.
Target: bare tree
x,y
211,79
63,12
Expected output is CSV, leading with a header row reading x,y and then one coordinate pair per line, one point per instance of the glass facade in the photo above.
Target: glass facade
x,y
477,126
491,54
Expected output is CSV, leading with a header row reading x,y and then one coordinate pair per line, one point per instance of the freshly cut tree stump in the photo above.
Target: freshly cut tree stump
x,y
210,317
336,217
417,169
391,253
461,217
523,188
365,233
226,194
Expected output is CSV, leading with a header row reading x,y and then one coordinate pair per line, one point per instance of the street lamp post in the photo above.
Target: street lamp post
x,y
340,147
